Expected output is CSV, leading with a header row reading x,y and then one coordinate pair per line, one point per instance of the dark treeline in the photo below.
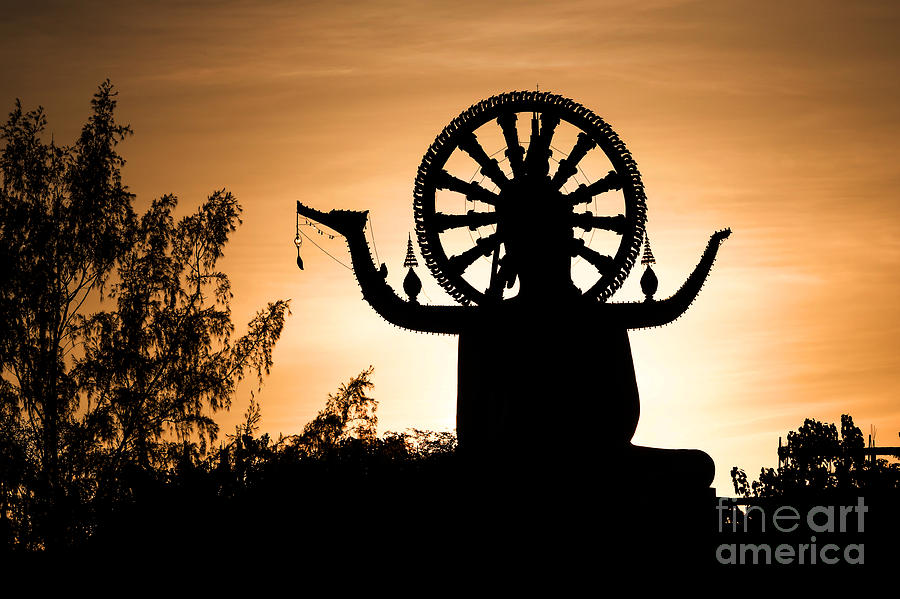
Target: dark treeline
x,y
331,483
248,487
816,459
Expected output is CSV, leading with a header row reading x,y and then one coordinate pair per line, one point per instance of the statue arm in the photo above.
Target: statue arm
x,y
408,315
651,313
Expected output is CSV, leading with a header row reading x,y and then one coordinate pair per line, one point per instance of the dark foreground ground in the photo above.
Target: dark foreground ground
x,y
517,526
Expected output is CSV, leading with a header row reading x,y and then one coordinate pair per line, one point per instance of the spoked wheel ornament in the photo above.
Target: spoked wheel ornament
x,y
530,211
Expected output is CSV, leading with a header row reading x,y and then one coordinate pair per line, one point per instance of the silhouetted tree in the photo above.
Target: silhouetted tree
x,y
348,414
65,217
815,460
84,395
165,358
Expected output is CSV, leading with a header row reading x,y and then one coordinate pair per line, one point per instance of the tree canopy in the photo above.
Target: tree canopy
x,y
118,340
816,459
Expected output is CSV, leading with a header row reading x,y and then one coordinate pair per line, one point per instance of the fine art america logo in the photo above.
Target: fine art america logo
x,y
788,526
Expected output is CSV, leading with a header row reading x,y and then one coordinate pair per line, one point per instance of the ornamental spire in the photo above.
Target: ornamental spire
x,y
649,282
648,253
410,261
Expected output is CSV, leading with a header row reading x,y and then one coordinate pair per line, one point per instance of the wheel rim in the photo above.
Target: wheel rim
x,y
526,182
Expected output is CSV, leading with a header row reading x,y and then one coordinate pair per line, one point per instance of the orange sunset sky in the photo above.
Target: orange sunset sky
x,y
778,119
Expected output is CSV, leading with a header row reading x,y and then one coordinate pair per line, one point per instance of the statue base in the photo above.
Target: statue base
x,y
609,528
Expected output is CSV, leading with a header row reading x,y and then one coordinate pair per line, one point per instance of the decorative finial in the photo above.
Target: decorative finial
x,y
410,261
411,283
648,253
649,282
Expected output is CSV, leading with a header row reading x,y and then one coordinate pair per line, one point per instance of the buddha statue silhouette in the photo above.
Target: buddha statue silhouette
x,y
541,355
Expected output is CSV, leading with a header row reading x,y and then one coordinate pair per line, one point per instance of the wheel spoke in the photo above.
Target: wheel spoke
x,y
514,151
537,160
495,286
472,190
470,219
489,166
588,221
569,166
507,274
585,193
599,261
483,247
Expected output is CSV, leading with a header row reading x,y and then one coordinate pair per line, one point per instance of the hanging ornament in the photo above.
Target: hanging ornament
x,y
649,282
298,241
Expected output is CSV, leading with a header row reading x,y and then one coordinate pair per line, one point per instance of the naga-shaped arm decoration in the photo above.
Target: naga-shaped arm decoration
x,y
451,320
652,313
408,315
